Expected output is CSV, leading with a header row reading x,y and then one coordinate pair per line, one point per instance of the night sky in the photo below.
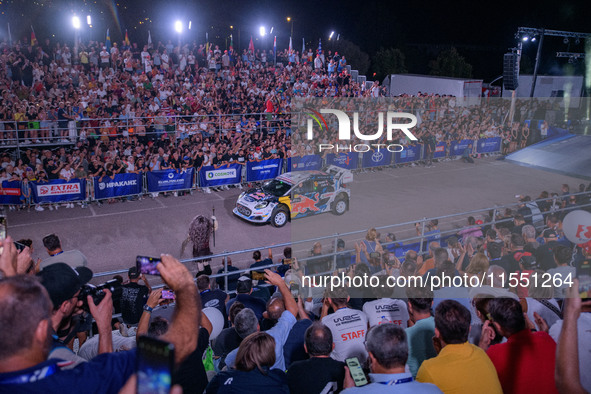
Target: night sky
x,y
481,31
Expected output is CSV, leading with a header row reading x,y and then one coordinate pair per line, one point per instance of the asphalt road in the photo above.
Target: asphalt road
x,y
112,235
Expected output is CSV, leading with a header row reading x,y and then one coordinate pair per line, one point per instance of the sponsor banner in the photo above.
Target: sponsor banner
x,y
457,148
383,157
59,190
119,185
440,149
10,192
409,154
488,145
304,163
344,160
264,169
228,174
167,180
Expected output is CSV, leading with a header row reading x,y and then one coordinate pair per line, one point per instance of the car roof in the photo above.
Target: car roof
x,y
295,177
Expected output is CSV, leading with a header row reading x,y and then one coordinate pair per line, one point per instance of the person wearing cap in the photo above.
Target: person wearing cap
x,y
527,266
74,258
244,295
63,283
24,366
134,297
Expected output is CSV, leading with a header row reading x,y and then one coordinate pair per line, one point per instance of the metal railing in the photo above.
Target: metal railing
x,y
334,237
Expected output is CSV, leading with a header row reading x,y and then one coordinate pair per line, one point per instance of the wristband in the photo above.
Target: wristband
x,y
148,308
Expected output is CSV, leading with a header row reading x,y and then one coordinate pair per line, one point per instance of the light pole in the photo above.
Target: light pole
x,y
290,21
178,27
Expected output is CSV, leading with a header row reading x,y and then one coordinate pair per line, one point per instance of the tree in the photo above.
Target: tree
x,y
358,59
388,61
450,63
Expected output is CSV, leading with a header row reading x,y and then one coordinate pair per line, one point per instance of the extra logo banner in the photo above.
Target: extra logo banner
x,y
264,169
59,190
10,192
228,174
119,185
169,180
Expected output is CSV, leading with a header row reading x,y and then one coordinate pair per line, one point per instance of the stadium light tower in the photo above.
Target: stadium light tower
x,y
178,26
262,31
76,22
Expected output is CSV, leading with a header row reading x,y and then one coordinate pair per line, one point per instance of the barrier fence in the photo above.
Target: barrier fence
x,y
122,185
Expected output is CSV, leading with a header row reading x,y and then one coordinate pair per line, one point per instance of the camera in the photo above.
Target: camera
x,y
97,292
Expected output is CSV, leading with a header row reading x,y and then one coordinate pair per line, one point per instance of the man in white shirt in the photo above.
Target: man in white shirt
x,y
385,309
348,326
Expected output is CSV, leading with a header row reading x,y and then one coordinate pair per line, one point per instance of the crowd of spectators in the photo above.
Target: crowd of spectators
x,y
274,334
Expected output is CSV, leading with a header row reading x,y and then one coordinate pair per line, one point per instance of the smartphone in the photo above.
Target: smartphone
x,y
356,371
154,365
295,290
147,265
168,294
19,246
584,276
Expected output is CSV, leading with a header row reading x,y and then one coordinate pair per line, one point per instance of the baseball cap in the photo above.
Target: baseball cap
x,y
244,285
133,273
528,261
63,281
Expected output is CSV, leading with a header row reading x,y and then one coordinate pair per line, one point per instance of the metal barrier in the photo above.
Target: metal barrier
x,y
420,239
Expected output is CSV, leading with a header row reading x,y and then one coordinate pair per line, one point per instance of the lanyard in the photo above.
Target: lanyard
x,y
397,381
31,377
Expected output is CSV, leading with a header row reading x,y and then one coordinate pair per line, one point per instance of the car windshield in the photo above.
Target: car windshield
x,y
276,187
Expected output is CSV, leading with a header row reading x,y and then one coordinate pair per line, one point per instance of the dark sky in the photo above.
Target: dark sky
x,y
482,31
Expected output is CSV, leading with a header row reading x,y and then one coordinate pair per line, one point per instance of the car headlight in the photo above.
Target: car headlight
x,y
261,205
241,195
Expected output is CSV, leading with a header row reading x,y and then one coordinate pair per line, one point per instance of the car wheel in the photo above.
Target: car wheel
x,y
279,217
340,206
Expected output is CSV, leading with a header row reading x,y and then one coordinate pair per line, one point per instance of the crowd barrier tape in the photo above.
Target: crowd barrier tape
x,y
440,150
263,169
58,190
349,160
457,148
119,186
10,193
304,163
228,174
408,155
488,145
376,158
169,180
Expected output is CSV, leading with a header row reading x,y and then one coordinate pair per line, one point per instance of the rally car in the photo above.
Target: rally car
x,y
296,194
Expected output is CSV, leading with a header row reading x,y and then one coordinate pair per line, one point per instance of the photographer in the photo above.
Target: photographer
x,y
23,352
63,283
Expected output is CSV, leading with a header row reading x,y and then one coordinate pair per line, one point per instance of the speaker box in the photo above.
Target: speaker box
x,y
510,71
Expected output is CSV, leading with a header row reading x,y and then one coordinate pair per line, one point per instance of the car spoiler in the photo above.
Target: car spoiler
x,y
342,174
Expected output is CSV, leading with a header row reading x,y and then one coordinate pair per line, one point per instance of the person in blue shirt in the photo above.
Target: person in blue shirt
x,y
388,351
26,338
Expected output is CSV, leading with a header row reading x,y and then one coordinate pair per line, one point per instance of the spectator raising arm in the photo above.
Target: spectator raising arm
x,y
184,328
277,280
152,302
103,313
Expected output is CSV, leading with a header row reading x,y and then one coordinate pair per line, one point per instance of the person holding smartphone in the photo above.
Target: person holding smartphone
x,y
387,347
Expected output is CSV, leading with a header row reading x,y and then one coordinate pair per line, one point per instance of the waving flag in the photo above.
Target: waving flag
x,y
319,45
290,48
231,42
108,41
126,41
33,38
275,47
303,46
251,46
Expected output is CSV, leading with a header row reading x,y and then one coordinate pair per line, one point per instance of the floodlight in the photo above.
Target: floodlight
x,y
178,26
76,22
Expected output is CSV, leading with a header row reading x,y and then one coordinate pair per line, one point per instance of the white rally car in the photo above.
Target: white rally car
x,y
296,194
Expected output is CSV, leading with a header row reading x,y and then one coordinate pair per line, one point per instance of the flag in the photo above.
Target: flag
x,y
9,35
108,41
319,45
206,44
251,46
33,38
303,46
231,42
275,46
149,39
290,48
126,41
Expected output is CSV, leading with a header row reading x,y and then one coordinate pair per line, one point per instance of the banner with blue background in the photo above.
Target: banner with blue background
x,y
228,174
457,148
167,180
343,160
488,145
409,154
10,192
58,190
383,157
264,169
119,185
304,163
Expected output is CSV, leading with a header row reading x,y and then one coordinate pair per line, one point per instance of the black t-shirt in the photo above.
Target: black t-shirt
x,y
225,342
214,299
176,164
50,172
255,382
198,162
133,299
191,374
314,375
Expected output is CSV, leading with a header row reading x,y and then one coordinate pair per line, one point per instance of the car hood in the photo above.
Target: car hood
x,y
256,195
